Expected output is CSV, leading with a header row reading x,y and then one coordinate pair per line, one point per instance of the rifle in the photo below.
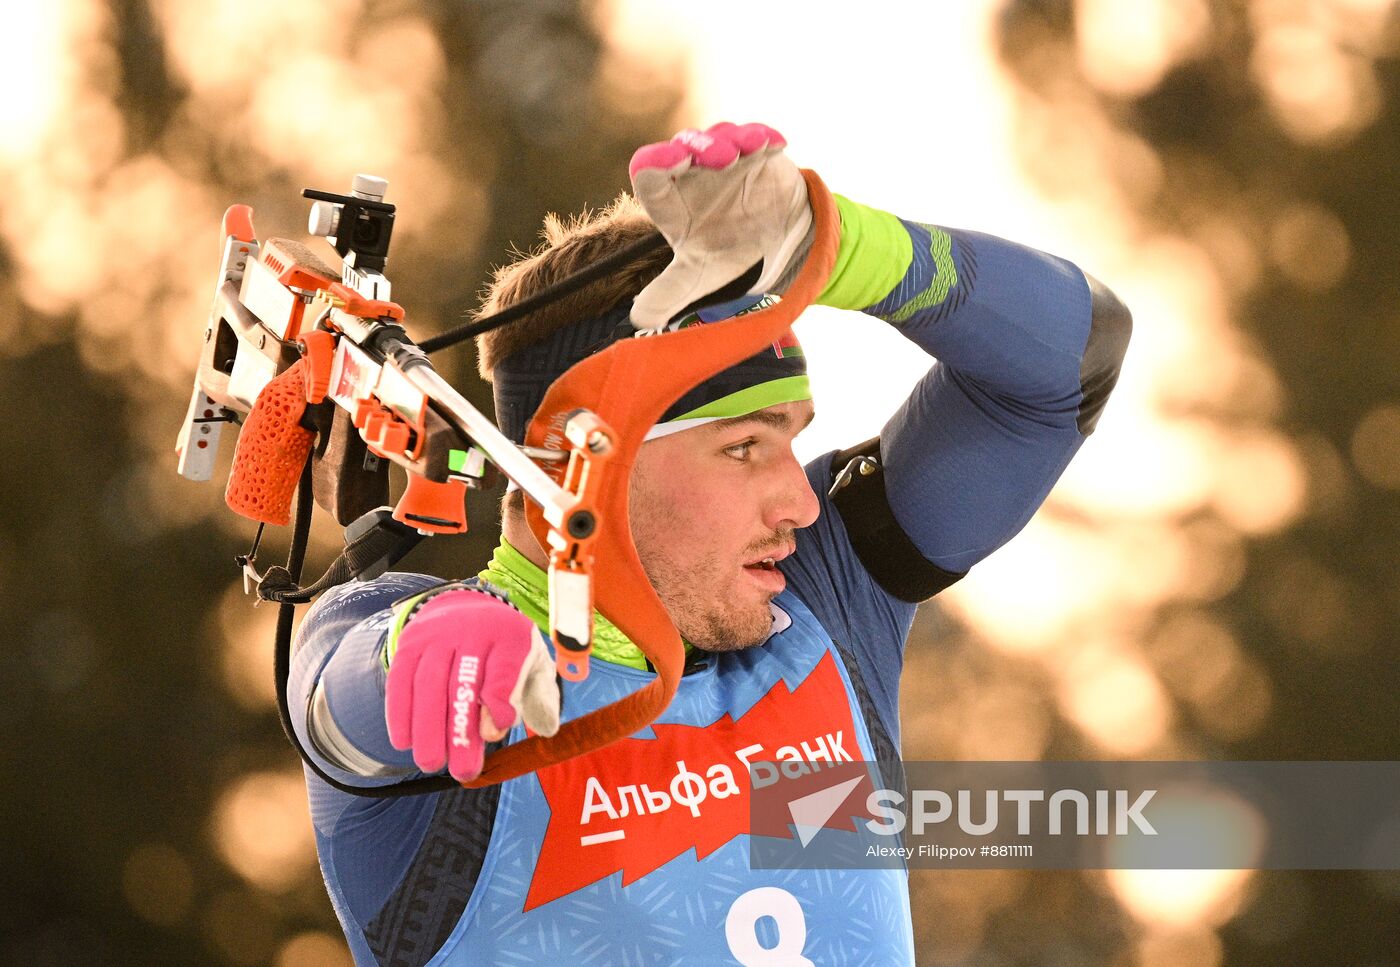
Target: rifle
x,y
281,319
328,388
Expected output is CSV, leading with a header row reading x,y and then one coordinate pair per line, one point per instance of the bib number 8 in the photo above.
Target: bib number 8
x,y
741,929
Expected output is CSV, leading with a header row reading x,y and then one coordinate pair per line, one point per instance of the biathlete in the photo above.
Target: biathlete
x,y
793,588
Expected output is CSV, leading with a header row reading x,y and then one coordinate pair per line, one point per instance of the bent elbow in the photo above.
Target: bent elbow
x,y
1110,328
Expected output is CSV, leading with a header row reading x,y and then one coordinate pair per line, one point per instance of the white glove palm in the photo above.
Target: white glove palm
x,y
725,199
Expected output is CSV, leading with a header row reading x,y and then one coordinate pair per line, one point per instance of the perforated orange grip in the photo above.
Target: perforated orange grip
x,y
629,385
272,449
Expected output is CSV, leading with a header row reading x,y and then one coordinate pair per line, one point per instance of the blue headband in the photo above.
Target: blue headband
x,y
778,374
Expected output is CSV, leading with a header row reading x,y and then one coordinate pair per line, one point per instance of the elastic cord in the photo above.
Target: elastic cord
x,y
550,293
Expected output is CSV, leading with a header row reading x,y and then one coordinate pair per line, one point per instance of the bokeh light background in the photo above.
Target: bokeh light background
x,y
1214,578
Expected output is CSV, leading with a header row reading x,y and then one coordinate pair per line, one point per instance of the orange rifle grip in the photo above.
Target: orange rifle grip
x,y
272,449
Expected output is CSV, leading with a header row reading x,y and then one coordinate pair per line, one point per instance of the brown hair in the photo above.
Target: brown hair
x,y
568,246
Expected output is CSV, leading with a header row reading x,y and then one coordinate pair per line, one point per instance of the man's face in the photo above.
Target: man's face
x,y
709,507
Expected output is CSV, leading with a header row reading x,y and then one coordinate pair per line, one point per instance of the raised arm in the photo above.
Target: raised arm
x,y
1028,348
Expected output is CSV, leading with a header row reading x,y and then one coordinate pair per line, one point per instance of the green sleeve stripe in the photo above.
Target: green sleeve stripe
x,y
789,389
401,614
940,246
874,255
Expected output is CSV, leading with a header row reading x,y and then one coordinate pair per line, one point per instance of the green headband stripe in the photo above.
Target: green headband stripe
x,y
789,389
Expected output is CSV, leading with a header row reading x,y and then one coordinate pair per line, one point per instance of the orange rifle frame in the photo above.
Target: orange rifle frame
x,y
593,446
438,507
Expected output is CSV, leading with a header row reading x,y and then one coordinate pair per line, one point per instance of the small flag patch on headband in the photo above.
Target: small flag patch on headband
x,y
787,345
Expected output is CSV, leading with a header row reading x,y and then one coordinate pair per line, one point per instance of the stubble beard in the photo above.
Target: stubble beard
x,y
692,595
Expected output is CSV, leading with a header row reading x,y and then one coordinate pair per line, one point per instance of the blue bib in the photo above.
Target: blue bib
x,y
638,853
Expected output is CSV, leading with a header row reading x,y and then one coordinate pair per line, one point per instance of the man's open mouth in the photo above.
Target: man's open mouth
x,y
769,562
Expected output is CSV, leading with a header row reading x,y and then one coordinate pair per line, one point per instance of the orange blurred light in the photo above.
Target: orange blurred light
x,y
1310,246
1229,828
1126,48
313,949
31,74
1115,699
1317,90
262,829
1260,484
1179,897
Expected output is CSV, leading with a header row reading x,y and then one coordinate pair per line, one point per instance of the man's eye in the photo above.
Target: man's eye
x,y
740,451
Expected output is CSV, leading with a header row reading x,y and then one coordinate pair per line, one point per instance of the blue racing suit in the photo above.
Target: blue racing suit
x,y
636,854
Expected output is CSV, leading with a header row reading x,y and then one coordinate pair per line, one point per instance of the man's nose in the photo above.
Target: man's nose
x,y
793,502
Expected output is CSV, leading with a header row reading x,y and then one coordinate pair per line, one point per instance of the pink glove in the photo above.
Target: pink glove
x,y
464,668
724,198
